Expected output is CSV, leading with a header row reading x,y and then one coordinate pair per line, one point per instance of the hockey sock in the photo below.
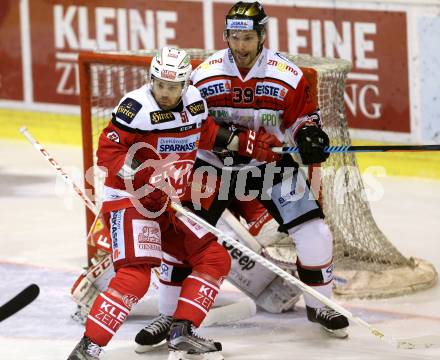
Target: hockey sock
x,y
168,297
196,298
325,290
105,318
172,274
111,307
320,278
314,247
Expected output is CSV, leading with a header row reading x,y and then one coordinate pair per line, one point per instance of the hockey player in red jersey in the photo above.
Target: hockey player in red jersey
x,y
250,89
148,150
251,86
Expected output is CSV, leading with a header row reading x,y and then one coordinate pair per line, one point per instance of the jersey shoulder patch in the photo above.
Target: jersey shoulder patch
x,y
281,68
210,67
196,108
128,109
193,101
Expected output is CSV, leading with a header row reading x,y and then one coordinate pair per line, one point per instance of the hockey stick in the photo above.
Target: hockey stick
x,y
219,315
89,203
361,148
421,342
92,207
19,301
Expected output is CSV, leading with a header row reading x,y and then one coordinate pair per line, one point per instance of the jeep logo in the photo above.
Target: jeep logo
x,y
244,261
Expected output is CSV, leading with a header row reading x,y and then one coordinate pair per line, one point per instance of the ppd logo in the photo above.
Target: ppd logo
x,y
164,270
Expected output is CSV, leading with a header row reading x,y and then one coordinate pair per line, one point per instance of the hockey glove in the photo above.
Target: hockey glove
x,y
311,142
156,200
258,145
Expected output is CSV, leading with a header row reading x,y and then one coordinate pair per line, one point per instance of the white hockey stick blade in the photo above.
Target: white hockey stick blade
x,y
240,310
421,342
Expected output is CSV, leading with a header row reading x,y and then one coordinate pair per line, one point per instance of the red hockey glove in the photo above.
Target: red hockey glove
x,y
258,145
156,200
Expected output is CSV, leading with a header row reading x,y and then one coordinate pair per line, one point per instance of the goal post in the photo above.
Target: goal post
x,y
367,263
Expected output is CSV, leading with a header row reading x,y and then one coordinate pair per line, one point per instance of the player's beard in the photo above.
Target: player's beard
x,y
245,59
166,103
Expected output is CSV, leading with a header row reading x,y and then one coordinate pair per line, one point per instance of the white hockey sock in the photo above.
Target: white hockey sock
x,y
314,247
168,296
325,290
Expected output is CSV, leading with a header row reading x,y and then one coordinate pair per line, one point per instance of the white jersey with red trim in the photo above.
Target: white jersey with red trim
x,y
139,124
274,95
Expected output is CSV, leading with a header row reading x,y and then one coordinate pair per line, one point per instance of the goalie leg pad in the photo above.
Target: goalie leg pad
x,y
268,234
261,224
269,292
90,284
279,296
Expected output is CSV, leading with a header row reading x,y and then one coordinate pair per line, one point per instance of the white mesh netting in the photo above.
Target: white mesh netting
x,y
367,263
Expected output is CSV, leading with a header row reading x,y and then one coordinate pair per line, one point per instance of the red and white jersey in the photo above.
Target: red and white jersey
x,y
274,95
166,139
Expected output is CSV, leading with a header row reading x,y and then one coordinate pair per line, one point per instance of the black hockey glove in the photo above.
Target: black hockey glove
x,y
311,142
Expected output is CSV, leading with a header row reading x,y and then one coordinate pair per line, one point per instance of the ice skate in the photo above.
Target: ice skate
x,y
86,349
154,334
184,344
331,321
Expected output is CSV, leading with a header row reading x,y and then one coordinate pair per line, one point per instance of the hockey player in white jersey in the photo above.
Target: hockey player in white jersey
x,y
149,146
148,149
247,86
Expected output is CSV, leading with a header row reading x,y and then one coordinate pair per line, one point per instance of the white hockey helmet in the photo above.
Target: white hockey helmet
x,y
171,64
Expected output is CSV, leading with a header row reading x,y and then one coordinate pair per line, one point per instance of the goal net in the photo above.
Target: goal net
x,y
367,264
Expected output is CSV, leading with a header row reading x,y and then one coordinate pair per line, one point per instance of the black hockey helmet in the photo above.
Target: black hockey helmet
x,y
246,16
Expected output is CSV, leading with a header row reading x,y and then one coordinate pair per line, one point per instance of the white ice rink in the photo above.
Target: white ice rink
x,y
42,242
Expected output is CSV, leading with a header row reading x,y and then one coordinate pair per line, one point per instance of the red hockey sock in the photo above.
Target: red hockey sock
x,y
196,298
106,316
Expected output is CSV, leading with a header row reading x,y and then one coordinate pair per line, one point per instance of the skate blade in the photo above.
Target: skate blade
x,y
339,334
183,355
140,349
